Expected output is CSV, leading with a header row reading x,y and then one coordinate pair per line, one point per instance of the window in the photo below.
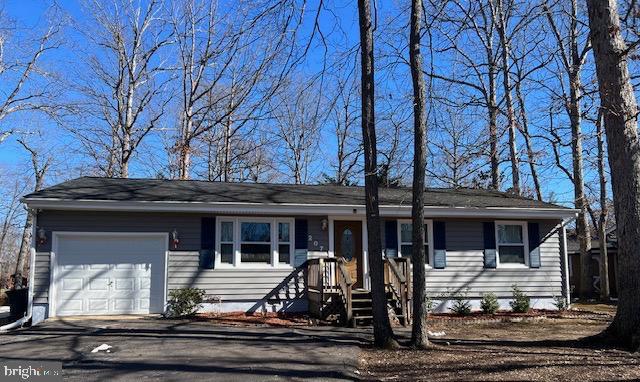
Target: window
x,y
226,242
284,243
511,240
405,242
254,242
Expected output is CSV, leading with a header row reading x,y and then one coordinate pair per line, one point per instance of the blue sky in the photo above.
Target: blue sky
x,y
343,33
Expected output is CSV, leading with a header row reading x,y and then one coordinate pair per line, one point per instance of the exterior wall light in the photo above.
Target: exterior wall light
x,y
42,236
175,240
324,224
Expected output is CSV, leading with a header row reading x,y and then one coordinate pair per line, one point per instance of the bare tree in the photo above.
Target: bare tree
x,y
382,332
126,89
620,113
458,149
344,117
226,62
419,332
13,187
500,15
573,58
473,25
40,164
26,83
604,212
298,112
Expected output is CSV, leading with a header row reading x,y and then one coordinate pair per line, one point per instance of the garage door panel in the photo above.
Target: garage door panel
x,y
71,284
71,307
99,284
98,304
109,274
127,284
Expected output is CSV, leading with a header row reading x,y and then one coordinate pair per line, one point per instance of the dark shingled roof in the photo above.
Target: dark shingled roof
x,y
117,189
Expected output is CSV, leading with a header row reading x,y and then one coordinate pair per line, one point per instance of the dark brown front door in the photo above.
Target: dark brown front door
x,y
347,236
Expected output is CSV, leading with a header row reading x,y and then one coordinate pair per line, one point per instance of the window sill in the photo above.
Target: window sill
x,y
512,266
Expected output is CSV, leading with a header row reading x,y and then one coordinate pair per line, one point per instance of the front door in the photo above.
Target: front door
x,y
348,245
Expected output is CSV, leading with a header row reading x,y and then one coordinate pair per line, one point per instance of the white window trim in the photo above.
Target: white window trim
x,y
429,237
237,257
525,244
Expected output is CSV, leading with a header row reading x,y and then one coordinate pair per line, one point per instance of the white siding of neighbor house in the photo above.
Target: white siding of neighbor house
x,y
274,288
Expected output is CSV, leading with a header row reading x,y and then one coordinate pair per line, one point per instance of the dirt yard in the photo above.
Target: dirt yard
x,y
523,349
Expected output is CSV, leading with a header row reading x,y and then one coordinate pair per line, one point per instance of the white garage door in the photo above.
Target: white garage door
x,y
98,274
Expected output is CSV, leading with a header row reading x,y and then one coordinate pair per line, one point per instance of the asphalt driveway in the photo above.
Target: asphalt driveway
x,y
174,350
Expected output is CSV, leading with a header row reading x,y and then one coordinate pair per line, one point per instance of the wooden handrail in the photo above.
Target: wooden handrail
x,y
345,282
398,280
396,271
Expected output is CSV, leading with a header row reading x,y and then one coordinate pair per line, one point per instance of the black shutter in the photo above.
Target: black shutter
x,y
207,242
391,238
439,245
490,253
302,234
534,245
207,233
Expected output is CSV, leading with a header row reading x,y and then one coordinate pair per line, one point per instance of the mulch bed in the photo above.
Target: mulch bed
x,y
508,316
260,319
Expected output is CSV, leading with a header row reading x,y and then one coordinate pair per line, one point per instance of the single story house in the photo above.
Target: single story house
x,y
119,246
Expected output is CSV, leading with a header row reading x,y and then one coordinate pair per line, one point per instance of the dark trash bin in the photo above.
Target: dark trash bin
x,y
18,301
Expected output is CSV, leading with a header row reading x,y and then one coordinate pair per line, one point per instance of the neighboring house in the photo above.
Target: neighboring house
x,y
573,249
119,246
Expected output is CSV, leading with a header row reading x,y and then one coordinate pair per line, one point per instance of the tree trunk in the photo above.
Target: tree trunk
x,y
604,211
493,121
621,125
24,250
527,141
382,332
419,338
582,224
25,244
513,149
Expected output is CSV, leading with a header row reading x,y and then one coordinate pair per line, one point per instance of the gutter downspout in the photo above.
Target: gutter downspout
x,y
565,255
32,263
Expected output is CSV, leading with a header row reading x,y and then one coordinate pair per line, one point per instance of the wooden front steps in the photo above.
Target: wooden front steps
x,y
332,296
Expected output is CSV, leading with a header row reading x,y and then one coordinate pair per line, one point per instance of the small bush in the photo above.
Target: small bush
x,y
521,302
429,304
184,302
489,303
560,303
460,305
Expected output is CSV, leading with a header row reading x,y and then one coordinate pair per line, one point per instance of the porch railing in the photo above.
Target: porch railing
x,y
397,277
327,277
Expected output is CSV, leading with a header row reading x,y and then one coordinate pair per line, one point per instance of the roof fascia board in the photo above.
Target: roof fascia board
x,y
296,209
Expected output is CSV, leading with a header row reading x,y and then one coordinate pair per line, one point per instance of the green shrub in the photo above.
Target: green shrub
x,y
184,302
521,302
489,303
560,303
460,304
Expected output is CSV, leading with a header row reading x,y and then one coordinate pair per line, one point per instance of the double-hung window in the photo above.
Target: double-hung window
x,y
284,242
511,241
405,242
227,252
254,242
